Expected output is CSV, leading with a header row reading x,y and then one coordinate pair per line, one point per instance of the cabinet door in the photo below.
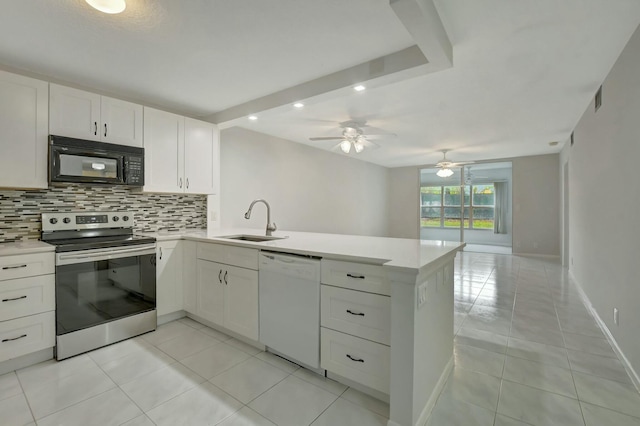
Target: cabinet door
x,y
163,151
190,277
201,157
168,277
210,291
23,131
121,122
74,113
241,301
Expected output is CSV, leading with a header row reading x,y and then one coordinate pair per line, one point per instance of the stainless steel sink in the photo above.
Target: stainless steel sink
x,y
253,238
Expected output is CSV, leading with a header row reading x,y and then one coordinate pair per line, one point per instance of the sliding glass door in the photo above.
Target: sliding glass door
x,y
472,205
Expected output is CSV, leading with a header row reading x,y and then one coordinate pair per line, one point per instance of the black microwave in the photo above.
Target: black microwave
x,y
82,161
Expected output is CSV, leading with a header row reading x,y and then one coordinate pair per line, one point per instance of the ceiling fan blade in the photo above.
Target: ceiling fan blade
x,y
328,138
461,163
380,136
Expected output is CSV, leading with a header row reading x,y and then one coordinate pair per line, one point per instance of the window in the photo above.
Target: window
x,y
440,206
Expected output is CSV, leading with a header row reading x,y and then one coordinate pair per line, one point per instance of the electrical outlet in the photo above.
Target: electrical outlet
x,y
214,215
422,294
616,316
572,261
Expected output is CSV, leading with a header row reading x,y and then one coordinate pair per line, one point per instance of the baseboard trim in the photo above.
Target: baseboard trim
x,y
542,256
614,344
442,381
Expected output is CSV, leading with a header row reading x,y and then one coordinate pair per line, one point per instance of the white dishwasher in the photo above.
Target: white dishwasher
x,y
290,306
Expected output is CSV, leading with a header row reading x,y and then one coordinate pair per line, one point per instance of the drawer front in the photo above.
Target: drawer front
x,y
229,255
26,265
22,336
357,359
358,313
356,276
27,296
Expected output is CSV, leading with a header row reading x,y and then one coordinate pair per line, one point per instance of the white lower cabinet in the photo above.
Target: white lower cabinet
x,y
355,318
227,295
210,292
27,304
169,291
356,359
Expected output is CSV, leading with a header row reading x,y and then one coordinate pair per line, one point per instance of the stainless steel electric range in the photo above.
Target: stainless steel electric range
x,y
105,279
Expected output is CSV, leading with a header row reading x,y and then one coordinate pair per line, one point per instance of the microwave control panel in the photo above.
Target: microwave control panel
x,y
134,170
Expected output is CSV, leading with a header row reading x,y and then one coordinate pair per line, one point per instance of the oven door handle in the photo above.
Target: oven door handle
x,y
110,254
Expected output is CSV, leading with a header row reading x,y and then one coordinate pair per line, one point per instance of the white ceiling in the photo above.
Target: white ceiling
x,y
523,71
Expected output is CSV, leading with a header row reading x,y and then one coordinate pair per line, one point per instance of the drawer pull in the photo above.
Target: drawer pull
x,y
14,298
360,314
14,267
20,337
354,359
359,277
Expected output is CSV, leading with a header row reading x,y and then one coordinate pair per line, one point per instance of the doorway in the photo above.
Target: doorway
x,y
472,205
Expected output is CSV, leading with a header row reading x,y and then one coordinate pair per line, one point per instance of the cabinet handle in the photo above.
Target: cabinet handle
x,y
105,130
220,276
14,267
160,248
359,277
15,338
225,277
355,359
14,298
95,128
180,184
187,183
360,314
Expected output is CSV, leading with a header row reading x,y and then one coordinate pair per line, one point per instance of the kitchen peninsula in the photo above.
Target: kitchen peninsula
x,y
411,344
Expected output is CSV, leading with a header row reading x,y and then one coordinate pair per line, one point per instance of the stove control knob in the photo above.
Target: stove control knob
x,y
115,218
125,218
53,221
66,220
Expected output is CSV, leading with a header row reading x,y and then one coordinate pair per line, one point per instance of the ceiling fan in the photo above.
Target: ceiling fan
x,y
354,137
445,165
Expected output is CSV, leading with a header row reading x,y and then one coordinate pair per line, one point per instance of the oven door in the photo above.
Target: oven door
x,y
70,164
94,287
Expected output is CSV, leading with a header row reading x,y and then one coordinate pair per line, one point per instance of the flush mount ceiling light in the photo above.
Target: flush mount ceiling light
x,y
359,88
253,117
298,105
108,6
444,173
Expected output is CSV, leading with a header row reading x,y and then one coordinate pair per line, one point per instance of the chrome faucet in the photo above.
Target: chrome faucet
x,y
270,226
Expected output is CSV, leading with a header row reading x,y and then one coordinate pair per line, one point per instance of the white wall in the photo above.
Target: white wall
x,y
536,205
404,202
604,201
308,189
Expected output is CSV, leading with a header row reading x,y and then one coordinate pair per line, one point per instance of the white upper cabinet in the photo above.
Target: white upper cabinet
x,y
201,150
85,115
121,122
163,151
23,131
181,154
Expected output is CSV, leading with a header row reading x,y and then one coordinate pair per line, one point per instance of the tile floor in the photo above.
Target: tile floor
x,y
526,352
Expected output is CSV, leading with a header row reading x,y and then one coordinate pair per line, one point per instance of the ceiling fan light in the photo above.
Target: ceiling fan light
x,y
444,173
359,147
345,146
108,6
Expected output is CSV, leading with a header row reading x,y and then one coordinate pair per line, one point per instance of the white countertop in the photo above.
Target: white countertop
x,y
25,247
397,253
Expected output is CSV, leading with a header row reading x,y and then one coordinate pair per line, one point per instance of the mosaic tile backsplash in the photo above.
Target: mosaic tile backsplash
x,y
20,209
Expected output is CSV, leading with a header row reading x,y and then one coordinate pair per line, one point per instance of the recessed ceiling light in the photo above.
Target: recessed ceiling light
x,y
554,143
298,105
253,117
108,6
359,88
